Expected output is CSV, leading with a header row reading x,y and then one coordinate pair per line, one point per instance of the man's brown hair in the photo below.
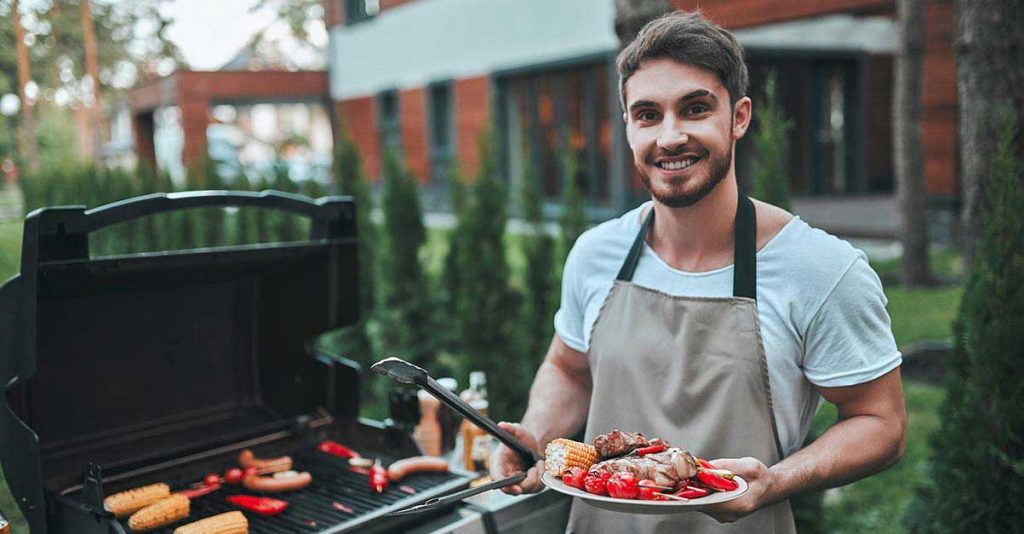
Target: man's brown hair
x,y
691,39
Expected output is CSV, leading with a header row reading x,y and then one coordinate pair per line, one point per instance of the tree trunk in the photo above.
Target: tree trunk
x,y
990,74
27,132
631,15
907,149
92,69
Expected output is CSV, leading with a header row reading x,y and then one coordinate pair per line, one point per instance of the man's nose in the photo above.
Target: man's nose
x,y
673,134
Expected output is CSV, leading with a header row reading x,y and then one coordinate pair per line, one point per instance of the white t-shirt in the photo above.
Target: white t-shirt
x,y
821,307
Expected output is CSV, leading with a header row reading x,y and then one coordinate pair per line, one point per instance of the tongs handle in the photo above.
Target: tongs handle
x,y
441,502
407,373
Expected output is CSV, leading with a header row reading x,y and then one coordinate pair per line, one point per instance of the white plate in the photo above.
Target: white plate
x,y
636,506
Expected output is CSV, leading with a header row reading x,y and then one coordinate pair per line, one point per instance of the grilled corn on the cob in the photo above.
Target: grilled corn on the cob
x,y
126,503
561,454
226,523
161,513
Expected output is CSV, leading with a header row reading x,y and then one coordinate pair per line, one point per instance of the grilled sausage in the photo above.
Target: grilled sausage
x,y
277,484
417,464
246,459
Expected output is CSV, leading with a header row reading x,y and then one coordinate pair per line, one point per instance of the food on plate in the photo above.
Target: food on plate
x,y
623,486
125,503
626,465
561,454
574,476
226,523
278,482
248,459
259,505
160,513
416,464
378,477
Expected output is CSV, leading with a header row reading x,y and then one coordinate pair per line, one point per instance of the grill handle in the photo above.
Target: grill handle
x,y
407,373
332,217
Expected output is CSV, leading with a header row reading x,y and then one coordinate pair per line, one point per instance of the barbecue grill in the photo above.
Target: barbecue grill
x,y
126,370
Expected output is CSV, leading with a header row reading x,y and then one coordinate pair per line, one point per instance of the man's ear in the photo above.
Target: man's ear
x,y
625,118
741,114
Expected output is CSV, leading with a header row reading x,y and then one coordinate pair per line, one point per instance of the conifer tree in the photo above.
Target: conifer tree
x,y
768,174
540,287
485,305
350,176
977,473
404,318
574,209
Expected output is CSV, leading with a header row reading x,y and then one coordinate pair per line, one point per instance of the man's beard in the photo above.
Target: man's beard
x,y
678,198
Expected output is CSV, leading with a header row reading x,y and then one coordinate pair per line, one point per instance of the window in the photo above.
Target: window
x,y
440,134
360,10
560,115
388,130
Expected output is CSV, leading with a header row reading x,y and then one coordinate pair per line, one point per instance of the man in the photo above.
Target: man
x,y
710,320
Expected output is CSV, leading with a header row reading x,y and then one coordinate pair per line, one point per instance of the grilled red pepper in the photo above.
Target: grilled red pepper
x,y
705,464
717,479
260,505
650,491
378,477
337,449
193,493
692,492
651,450
623,486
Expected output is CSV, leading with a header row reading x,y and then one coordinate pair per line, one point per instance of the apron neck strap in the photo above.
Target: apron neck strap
x,y
744,283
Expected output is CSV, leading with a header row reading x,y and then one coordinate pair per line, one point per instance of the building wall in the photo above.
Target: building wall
x,y
734,14
472,114
412,111
358,117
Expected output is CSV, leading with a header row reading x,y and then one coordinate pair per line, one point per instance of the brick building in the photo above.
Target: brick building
x,y
426,76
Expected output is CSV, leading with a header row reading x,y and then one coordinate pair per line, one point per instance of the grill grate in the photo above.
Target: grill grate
x,y
313,509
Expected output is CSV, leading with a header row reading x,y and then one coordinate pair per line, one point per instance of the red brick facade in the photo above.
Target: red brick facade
x,y
359,118
412,116
472,115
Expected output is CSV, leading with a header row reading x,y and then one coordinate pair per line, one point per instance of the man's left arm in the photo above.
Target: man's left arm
x,y
867,438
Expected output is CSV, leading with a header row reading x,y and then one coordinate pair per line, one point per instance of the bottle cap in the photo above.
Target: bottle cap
x,y
448,383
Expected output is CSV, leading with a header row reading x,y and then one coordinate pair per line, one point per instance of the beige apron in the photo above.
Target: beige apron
x,y
690,370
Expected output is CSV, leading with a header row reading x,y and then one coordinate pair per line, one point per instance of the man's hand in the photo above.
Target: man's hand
x,y
760,480
505,462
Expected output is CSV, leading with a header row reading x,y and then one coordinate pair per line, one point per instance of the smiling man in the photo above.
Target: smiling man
x,y
714,321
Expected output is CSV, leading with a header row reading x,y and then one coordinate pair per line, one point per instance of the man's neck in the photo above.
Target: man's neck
x,y
699,237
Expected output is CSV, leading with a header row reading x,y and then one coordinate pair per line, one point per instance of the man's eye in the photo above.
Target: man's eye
x,y
646,116
697,109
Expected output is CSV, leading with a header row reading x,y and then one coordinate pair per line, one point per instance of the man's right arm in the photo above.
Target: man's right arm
x,y
559,401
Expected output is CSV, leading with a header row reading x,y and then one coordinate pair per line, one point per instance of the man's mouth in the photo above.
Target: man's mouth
x,y
678,164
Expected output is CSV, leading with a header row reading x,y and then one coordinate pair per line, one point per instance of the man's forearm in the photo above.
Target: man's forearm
x,y
559,401
850,450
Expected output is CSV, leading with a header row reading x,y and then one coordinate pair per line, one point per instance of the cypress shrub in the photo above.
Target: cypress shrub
x,y
574,208
404,318
770,181
977,475
540,287
350,176
485,306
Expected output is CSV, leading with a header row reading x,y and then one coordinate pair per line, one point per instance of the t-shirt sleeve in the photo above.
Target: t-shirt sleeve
x,y
569,317
849,341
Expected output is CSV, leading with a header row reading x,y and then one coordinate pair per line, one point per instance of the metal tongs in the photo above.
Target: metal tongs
x,y
406,373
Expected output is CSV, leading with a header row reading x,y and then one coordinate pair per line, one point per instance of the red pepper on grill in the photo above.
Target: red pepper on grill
x,y
260,505
378,477
651,450
194,493
717,479
334,448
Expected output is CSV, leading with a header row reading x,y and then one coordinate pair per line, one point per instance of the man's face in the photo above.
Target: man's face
x,y
681,129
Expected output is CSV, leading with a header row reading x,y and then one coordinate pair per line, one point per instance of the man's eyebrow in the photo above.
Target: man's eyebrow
x,y
688,96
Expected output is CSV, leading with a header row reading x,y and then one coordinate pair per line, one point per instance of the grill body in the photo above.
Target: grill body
x,y
132,369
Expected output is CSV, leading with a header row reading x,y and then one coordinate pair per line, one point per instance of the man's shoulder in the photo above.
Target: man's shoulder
x,y
613,236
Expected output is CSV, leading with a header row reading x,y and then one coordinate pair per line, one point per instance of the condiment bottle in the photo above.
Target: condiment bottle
x,y
428,432
476,443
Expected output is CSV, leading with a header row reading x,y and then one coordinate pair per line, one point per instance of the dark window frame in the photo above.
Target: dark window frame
x,y
355,11
389,124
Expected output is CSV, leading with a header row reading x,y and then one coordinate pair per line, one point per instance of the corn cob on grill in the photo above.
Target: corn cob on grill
x,y
161,513
226,523
126,503
561,454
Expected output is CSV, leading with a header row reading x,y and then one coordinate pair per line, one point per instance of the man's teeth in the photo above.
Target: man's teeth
x,y
676,165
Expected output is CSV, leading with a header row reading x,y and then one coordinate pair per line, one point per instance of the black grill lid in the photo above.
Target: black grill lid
x,y
125,358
